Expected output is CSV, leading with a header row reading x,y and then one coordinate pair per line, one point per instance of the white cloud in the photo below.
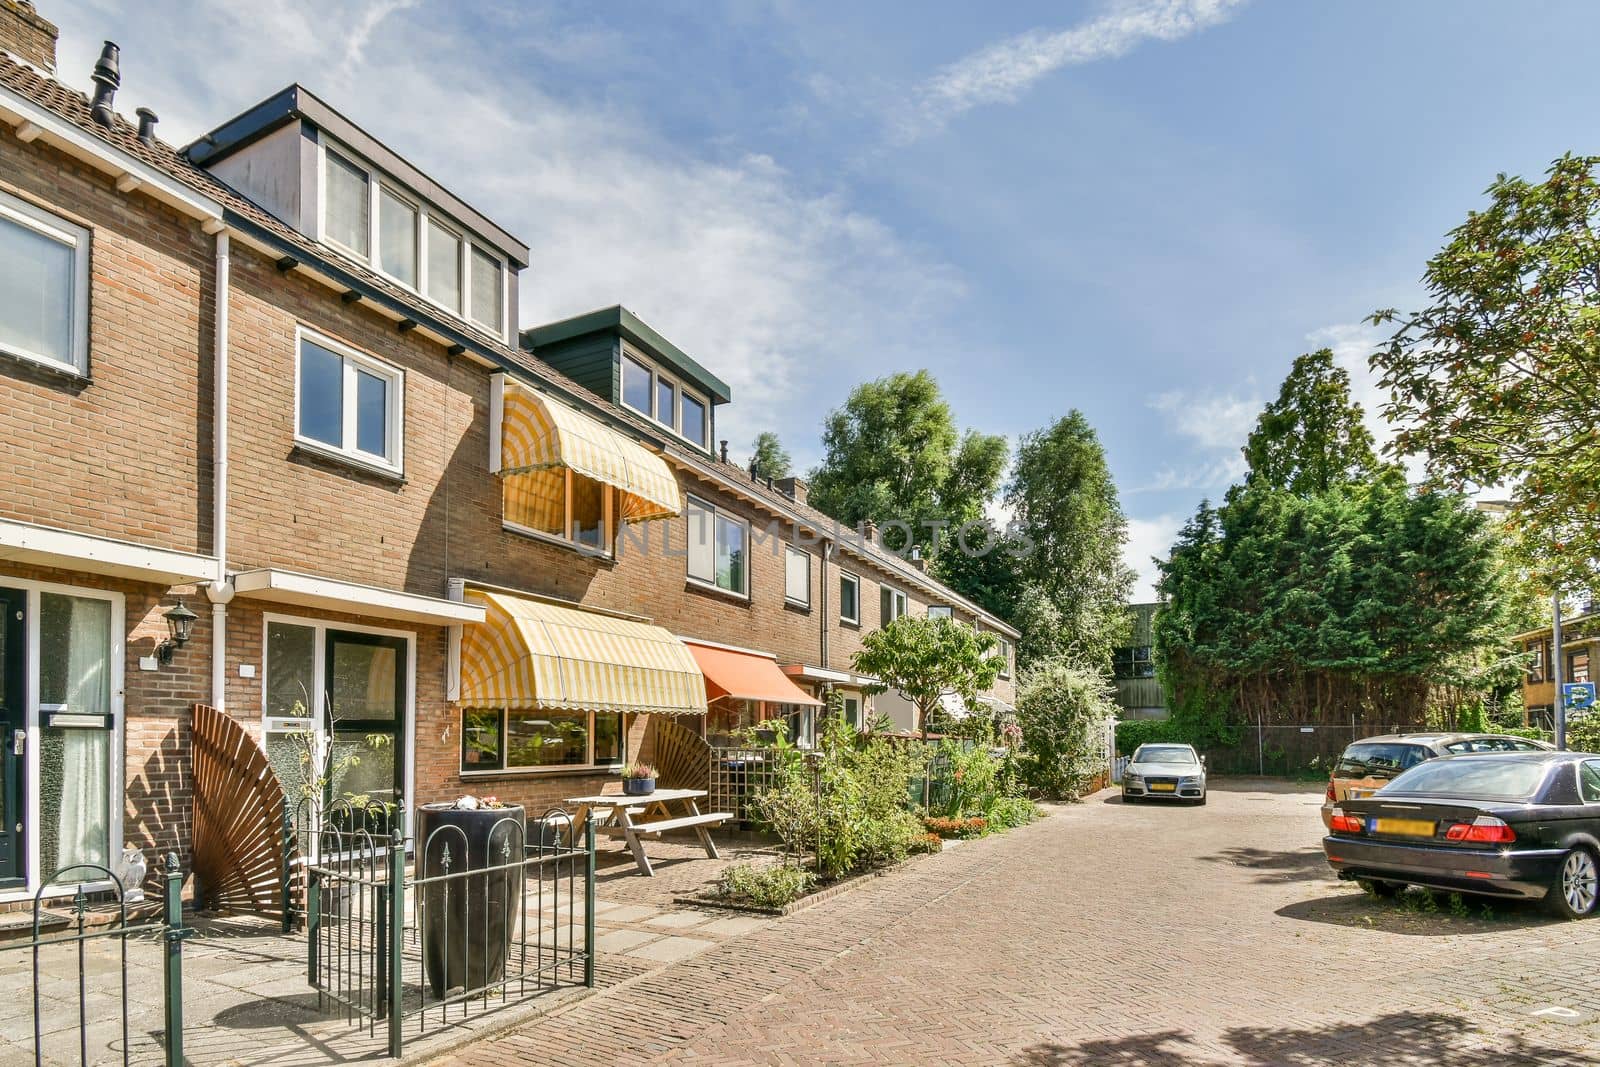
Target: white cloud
x,y
1215,426
758,278
1001,72
1148,539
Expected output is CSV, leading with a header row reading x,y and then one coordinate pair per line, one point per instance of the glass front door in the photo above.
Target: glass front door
x,y
13,731
366,701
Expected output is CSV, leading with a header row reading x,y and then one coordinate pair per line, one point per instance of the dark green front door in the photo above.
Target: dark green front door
x,y
13,725
366,709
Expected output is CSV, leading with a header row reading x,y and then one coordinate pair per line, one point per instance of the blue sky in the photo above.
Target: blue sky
x,y
1140,209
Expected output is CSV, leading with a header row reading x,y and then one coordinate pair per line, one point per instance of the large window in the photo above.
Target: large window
x,y
1005,658
559,503
797,576
1578,666
1538,650
497,739
849,597
718,548
368,216
347,402
941,611
344,692
659,396
1132,661
892,604
44,287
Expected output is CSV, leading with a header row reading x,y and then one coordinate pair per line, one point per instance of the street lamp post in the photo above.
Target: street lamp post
x,y
1558,668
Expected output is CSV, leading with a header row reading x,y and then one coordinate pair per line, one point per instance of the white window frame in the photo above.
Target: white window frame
x,y
898,597
790,552
566,539
377,179
394,463
941,611
505,770
418,225
716,513
55,228
1005,656
319,667
674,420
33,723
854,579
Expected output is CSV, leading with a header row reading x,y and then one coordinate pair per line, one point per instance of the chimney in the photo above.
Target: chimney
x,y
724,451
26,35
147,125
793,488
869,532
916,559
107,76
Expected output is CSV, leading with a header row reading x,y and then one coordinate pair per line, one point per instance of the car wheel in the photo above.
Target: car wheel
x,y
1126,799
1202,799
1576,889
1384,890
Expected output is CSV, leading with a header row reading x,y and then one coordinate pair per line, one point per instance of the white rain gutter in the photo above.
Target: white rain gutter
x,y
220,590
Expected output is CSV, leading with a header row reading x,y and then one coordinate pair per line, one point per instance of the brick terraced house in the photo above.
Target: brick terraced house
x,y
275,377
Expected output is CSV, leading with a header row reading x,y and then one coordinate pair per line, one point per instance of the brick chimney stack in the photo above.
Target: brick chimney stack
x,y
793,488
27,35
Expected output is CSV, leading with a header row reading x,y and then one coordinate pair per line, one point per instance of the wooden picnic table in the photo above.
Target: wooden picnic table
x,y
634,818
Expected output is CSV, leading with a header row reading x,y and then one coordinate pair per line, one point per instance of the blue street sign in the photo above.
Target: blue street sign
x,y
1578,696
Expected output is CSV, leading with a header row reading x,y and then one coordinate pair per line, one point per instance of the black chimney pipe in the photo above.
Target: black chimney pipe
x,y
724,451
147,125
107,76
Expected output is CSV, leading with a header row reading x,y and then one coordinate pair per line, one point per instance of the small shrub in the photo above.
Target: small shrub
x,y
764,887
926,842
1007,812
971,826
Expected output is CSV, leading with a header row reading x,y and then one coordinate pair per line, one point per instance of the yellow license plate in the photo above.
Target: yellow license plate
x,y
1403,827
1163,787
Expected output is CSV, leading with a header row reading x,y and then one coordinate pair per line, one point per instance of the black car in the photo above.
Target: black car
x,y
1513,825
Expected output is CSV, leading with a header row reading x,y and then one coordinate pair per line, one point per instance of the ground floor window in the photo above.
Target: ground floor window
x,y
802,720
852,712
336,710
506,739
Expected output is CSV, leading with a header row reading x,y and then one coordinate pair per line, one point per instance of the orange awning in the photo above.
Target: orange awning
x,y
746,676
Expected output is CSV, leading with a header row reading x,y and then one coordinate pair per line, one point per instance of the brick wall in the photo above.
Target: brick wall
x,y
125,453
27,35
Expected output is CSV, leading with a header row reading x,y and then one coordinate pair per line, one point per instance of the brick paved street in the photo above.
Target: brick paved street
x,y
1108,935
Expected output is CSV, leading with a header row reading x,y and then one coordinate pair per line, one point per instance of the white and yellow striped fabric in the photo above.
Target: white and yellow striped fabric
x,y
534,654
538,432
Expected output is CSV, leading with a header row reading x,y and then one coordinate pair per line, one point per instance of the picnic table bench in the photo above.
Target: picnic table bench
x,y
615,817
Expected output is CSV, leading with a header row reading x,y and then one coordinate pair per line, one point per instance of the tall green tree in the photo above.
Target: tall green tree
x,y
1312,437
892,454
1071,523
768,457
1497,381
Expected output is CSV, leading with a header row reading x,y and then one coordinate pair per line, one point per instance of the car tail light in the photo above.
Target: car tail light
x,y
1332,796
1485,829
1346,824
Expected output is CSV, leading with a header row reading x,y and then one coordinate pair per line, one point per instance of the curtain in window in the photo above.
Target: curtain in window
x,y
75,676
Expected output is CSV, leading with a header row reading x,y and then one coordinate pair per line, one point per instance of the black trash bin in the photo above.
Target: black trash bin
x,y
467,921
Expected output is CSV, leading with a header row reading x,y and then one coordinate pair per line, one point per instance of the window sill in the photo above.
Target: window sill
x,y
589,771
316,451
797,606
850,624
63,373
695,585
598,555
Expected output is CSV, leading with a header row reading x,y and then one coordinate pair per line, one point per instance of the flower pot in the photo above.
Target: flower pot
x,y
638,787
467,922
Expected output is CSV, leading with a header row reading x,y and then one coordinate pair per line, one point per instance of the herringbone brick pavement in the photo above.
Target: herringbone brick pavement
x,y
1109,935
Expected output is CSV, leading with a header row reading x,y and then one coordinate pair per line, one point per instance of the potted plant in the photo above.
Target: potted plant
x,y
468,919
638,780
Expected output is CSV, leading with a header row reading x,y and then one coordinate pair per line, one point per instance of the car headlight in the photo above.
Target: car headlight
x,y
1191,780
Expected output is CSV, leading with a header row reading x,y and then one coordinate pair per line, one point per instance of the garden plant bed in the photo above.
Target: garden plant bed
x,y
817,895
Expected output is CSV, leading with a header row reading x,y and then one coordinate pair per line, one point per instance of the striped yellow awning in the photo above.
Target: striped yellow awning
x,y
535,654
538,432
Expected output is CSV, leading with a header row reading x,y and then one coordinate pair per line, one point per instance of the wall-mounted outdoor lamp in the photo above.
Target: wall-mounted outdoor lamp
x,y
180,624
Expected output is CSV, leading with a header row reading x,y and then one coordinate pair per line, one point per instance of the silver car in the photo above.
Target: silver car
x,y
1165,771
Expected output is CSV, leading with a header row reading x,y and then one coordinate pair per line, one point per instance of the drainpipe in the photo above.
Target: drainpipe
x,y
827,553
220,590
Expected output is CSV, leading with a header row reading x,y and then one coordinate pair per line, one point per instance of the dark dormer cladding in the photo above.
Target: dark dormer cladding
x,y
332,181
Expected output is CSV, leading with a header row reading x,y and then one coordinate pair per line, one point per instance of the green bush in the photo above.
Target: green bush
x,y
1135,732
1006,812
1062,709
1583,734
764,887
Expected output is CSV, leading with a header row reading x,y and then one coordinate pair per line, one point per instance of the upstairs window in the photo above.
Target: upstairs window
x,y
849,597
347,218
666,401
444,267
44,287
397,238
717,548
892,604
940,611
656,395
558,503
797,576
636,385
347,402
1005,658
693,424
488,295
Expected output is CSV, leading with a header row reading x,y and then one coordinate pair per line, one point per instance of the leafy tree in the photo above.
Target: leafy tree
x,y
1062,709
1311,438
1497,381
982,566
892,454
1068,513
923,659
769,459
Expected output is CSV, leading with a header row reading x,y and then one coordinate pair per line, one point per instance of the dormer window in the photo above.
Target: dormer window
x,y
654,394
366,214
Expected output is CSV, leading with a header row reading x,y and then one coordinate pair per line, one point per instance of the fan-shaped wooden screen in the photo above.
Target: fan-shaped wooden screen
x,y
682,758
238,818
